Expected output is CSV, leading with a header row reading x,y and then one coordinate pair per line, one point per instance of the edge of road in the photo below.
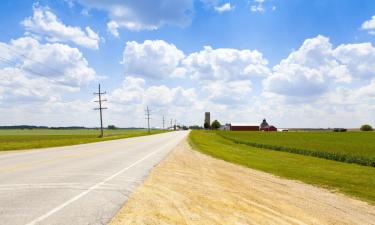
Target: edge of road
x,y
33,150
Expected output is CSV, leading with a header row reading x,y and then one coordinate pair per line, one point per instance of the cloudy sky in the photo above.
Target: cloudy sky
x,y
296,63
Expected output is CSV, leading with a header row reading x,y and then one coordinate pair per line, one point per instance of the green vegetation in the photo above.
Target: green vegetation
x,y
348,178
366,127
215,125
15,139
350,147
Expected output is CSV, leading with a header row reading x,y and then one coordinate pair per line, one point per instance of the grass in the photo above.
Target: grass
x,y
352,179
16,139
351,147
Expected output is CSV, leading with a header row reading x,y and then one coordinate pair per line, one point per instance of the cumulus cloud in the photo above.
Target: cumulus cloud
x,y
369,25
225,64
152,59
224,7
112,27
45,22
135,91
42,71
228,93
144,14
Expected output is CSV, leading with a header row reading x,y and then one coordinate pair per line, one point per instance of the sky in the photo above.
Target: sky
x,y
296,63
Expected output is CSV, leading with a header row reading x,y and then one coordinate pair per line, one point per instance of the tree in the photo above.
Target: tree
x,y
215,125
366,127
111,127
206,125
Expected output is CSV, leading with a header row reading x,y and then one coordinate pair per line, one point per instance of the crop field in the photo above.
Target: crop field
x,y
352,179
352,147
16,139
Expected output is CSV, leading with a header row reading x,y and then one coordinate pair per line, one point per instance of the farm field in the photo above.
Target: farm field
x,y
352,179
17,139
353,147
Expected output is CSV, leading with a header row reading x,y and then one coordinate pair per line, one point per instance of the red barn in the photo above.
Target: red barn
x,y
265,127
244,127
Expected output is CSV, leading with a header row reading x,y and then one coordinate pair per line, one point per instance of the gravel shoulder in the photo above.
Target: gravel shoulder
x,y
189,187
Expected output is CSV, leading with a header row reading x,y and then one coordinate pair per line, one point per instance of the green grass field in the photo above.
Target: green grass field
x,y
16,139
352,147
352,179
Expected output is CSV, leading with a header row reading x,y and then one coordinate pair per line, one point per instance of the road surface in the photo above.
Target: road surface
x,y
82,184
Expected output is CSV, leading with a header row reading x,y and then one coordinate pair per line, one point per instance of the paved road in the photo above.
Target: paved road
x,y
82,184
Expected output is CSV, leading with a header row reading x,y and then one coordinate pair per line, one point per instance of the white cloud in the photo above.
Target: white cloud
x,y
228,93
359,59
135,91
145,14
224,7
317,67
369,25
45,22
131,92
308,71
112,27
42,71
257,6
225,64
152,59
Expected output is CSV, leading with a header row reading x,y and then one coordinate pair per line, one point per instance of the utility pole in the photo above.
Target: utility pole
x,y
171,124
175,125
163,122
100,100
148,113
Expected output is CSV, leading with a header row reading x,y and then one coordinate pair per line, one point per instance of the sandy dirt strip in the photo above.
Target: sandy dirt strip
x,y
192,188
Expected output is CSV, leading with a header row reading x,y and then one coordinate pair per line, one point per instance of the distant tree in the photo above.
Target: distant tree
x,y
206,125
195,127
112,127
366,127
215,125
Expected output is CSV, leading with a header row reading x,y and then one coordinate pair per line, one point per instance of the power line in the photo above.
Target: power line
x,y
148,113
100,108
31,71
31,59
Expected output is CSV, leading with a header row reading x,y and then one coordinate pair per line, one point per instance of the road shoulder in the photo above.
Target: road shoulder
x,y
191,188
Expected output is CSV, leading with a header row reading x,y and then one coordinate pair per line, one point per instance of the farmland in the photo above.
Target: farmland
x,y
352,147
16,139
352,179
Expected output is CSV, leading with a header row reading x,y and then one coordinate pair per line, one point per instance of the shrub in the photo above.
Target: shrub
x,y
366,127
339,130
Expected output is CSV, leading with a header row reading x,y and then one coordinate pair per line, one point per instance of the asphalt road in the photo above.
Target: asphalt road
x,y
82,184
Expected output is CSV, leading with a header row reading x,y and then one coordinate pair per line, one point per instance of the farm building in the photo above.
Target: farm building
x,y
244,127
265,127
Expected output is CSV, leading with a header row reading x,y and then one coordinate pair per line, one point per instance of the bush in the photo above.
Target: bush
x,y
215,125
339,130
366,127
206,125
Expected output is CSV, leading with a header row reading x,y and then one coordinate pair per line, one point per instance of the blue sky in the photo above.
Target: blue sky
x,y
296,63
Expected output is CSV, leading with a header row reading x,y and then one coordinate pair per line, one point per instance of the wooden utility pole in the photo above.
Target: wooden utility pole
x,y
148,113
163,122
100,100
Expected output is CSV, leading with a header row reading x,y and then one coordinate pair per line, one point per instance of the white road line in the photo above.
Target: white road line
x,y
70,201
